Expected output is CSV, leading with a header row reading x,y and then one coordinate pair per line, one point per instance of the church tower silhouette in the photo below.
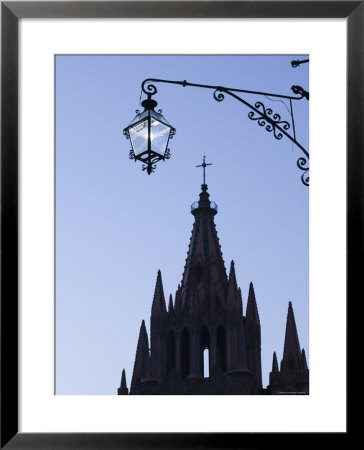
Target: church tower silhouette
x,y
203,344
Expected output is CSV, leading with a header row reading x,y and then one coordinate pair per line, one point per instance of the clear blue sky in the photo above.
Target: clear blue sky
x,y
116,226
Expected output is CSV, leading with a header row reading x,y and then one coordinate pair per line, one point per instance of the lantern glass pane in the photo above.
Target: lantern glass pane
x,y
139,137
159,136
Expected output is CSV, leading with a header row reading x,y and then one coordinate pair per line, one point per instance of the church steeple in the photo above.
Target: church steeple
x,y
203,344
204,279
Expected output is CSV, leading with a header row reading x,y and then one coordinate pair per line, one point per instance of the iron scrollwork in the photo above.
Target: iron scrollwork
x,y
150,168
302,164
266,118
149,88
218,95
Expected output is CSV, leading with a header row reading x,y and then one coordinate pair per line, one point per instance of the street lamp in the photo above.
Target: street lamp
x,y
149,134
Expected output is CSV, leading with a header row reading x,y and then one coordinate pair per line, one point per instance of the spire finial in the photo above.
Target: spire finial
x,y
204,165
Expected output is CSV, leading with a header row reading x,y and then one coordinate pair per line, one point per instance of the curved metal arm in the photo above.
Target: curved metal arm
x,y
150,89
264,116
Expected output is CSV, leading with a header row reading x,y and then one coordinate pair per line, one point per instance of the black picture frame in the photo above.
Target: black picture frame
x,y
11,12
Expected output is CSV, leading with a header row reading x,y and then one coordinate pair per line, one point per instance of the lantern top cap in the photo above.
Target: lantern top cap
x,y
149,113
149,104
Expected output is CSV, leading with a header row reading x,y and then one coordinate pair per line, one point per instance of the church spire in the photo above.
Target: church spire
x,y
291,342
159,303
204,344
204,277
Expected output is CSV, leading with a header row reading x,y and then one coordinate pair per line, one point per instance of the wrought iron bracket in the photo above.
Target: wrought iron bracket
x,y
265,117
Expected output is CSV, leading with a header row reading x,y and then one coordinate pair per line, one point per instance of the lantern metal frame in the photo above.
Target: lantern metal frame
x,y
149,156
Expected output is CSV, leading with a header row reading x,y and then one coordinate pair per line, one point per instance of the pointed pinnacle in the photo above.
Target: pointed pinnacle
x,y
143,349
232,276
141,357
251,307
123,380
170,304
143,342
291,342
232,294
177,301
142,332
159,303
275,363
251,290
123,390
